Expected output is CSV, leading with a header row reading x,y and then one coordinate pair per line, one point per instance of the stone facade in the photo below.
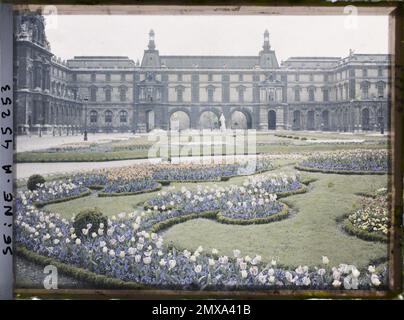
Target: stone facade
x,y
180,92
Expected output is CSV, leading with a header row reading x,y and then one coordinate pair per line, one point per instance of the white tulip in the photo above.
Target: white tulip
x,y
112,253
146,260
198,268
122,254
78,241
172,263
244,274
336,283
325,260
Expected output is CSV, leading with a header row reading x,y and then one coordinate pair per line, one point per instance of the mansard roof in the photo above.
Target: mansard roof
x,y
210,62
311,62
101,62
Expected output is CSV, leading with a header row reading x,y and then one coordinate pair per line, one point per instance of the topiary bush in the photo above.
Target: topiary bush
x,y
34,180
89,216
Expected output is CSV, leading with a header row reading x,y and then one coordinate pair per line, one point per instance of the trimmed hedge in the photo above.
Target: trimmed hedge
x,y
119,194
172,221
41,204
34,180
349,228
283,214
285,194
96,187
100,281
339,171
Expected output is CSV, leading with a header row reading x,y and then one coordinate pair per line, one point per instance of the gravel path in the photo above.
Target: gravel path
x,y
30,275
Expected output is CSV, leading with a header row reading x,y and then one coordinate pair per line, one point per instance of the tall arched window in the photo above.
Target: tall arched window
x,y
108,116
93,116
297,94
93,93
311,94
123,116
380,89
122,93
365,89
108,94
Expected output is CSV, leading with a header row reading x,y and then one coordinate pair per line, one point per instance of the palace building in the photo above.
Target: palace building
x,y
117,94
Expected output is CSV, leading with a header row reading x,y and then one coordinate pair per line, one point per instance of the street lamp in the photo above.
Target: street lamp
x,y
85,118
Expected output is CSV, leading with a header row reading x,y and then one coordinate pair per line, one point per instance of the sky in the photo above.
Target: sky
x,y
127,35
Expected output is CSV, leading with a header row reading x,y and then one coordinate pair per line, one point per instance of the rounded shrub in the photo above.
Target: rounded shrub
x,y
85,217
34,180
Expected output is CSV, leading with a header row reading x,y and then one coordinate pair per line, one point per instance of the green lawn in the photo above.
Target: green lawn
x,y
301,239
311,232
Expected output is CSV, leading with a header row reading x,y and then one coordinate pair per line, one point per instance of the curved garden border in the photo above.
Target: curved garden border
x,y
41,204
308,169
119,194
350,229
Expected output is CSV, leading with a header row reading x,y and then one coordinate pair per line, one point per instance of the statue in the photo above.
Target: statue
x,y
222,120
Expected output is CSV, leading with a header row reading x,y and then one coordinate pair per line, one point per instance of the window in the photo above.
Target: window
x,y
123,77
93,93
122,93
296,77
326,78
297,94
74,77
108,116
380,89
380,72
107,77
311,77
93,116
211,90
365,90
93,77
179,77
179,94
108,94
210,77
352,73
123,116
326,94
241,94
365,72
240,77
311,94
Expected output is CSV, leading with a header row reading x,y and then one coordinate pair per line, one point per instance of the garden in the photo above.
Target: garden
x,y
311,221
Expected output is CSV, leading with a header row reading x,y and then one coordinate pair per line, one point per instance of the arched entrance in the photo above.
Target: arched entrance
x,y
179,120
365,119
150,120
272,120
240,120
325,120
296,120
208,120
310,120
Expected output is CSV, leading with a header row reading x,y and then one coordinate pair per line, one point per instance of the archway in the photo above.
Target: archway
x,y
240,120
208,120
150,120
325,120
296,120
272,120
365,119
179,120
310,120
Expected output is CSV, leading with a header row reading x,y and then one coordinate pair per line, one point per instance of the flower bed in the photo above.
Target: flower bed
x,y
371,221
122,251
254,202
54,192
346,162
